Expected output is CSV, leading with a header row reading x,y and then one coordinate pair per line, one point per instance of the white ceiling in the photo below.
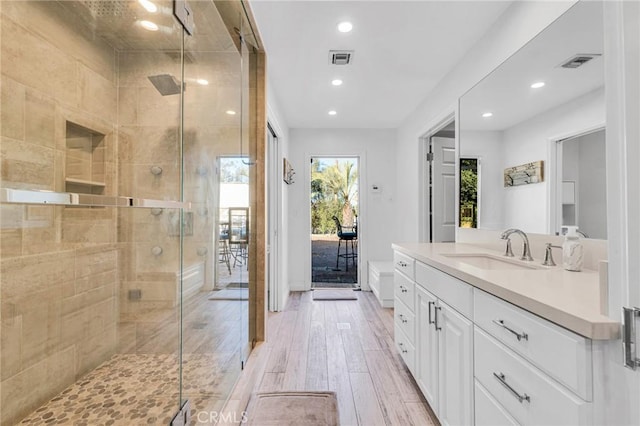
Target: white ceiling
x,y
402,50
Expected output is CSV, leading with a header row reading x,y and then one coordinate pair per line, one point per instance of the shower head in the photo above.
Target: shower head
x,y
166,84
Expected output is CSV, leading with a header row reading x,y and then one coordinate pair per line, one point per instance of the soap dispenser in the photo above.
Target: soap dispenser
x,y
572,250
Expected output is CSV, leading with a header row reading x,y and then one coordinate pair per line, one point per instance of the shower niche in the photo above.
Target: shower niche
x,y
85,156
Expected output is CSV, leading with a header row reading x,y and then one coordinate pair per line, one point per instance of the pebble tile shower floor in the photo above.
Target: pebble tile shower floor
x,y
136,389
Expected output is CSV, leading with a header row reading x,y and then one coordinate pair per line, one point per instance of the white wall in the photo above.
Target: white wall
x,y
377,220
527,206
520,23
279,125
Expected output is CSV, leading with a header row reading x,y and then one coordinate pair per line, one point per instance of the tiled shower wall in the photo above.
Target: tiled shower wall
x,y
59,265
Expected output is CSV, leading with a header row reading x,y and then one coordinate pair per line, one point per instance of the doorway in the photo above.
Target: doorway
x,y
334,200
439,223
233,223
580,184
274,214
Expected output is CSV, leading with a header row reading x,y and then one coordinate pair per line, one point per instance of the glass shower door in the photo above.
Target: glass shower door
x,y
91,214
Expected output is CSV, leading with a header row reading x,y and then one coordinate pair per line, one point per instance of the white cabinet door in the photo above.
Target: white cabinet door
x,y
455,343
426,347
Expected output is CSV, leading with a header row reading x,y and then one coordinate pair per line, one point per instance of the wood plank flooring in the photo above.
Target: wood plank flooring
x,y
344,346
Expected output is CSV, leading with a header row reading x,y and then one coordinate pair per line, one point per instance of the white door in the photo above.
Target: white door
x,y
455,347
427,347
443,190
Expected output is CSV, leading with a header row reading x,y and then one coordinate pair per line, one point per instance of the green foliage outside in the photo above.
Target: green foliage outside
x,y
468,193
334,192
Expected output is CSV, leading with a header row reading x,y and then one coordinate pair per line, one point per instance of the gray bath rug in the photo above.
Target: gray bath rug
x,y
334,294
293,408
230,294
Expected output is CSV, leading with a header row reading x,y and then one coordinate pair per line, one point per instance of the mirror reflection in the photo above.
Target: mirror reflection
x,y
544,104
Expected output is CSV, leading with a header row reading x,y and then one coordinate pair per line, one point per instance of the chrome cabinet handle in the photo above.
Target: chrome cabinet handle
x,y
403,289
631,359
403,350
519,336
401,264
430,320
502,379
402,318
438,308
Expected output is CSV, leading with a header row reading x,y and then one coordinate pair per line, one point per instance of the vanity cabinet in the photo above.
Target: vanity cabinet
x,y
404,308
534,370
444,359
481,360
443,345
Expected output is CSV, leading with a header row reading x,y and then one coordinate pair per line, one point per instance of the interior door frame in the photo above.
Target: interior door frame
x,y
553,170
424,212
361,210
274,214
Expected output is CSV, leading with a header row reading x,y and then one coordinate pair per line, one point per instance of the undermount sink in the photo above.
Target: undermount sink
x,y
488,261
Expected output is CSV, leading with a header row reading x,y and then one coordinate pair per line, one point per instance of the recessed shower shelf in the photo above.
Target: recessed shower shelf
x,y
84,182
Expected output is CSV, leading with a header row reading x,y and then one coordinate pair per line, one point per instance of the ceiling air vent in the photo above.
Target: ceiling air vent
x,y
340,57
579,60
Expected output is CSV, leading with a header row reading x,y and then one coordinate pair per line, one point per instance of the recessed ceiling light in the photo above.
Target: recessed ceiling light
x,y
148,25
336,82
345,27
487,114
231,112
149,6
537,85
332,112
202,82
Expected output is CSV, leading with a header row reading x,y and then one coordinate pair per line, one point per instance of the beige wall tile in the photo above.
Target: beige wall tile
x,y
12,109
97,94
34,62
26,165
54,23
27,390
11,345
40,118
95,263
22,277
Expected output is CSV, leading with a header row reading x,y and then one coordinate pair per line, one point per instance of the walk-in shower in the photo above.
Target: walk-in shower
x,y
109,231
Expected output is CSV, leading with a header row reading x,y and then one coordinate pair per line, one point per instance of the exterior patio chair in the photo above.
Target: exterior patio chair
x,y
350,239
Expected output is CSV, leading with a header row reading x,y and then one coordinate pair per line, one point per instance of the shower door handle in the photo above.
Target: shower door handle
x,y
24,196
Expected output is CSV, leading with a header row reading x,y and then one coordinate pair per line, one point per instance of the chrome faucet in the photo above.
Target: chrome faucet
x,y
548,255
526,251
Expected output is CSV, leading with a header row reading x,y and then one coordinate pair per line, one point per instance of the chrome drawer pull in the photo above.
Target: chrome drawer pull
x,y
436,318
430,320
402,264
402,318
515,333
403,289
502,379
403,350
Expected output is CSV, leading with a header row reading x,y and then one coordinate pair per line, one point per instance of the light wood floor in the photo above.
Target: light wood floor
x,y
345,346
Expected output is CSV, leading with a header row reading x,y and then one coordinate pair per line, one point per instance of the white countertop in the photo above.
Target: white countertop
x,y
569,299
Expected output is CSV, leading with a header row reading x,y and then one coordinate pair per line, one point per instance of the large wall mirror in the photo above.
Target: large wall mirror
x,y
532,140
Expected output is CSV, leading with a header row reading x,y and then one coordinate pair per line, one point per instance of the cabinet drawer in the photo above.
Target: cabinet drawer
x,y
404,289
404,264
456,293
564,355
405,320
405,348
528,395
488,411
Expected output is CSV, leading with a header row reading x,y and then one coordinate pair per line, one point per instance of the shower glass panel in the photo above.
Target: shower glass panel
x,y
211,360
104,109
